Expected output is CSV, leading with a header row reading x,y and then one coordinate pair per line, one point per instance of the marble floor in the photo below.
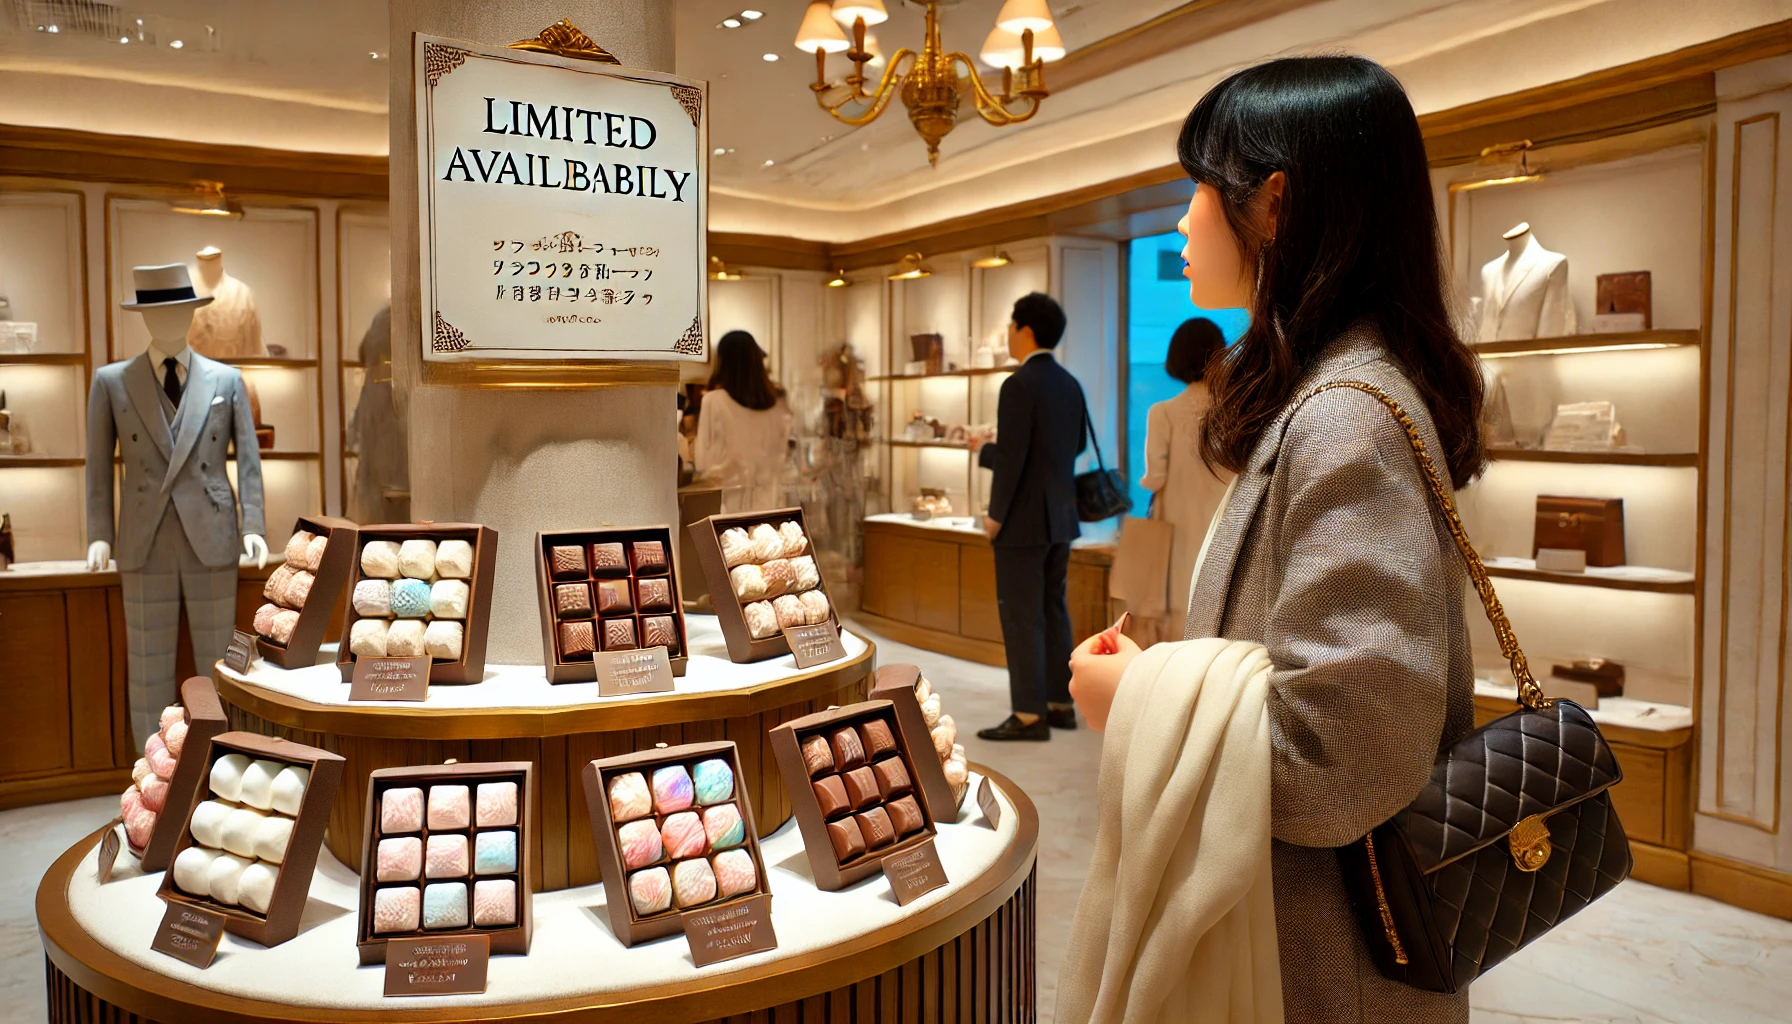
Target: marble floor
x,y
1641,956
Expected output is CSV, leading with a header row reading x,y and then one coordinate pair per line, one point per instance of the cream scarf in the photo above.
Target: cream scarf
x,y
1177,920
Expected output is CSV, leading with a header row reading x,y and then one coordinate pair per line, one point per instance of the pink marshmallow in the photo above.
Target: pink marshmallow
x,y
174,737
138,827
155,793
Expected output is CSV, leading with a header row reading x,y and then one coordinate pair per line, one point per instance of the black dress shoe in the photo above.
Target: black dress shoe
x,y
1015,729
1061,718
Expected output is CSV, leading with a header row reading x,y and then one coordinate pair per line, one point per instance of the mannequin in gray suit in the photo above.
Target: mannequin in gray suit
x,y
173,415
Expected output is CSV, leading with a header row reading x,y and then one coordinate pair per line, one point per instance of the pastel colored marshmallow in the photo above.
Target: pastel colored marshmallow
x,y
445,856
207,824
226,775
417,558
443,639
930,710
264,618
171,714
682,835
140,770
448,599
713,781
285,621
379,559
271,838
629,797
762,621
693,883
405,638
160,760
494,853
748,582
448,807
396,909
495,804
155,792
767,545
130,800
410,599
296,546
794,541
174,736
671,789
257,788
192,870
445,905
735,872
790,611
399,860
944,736
454,559
224,879
298,589
238,833
777,577
289,788
373,597
139,826
367,638
640,844
401,810
650,891
736,548
803,573
957,773
815,607
314,552
275,587
255,889
494,903
723,826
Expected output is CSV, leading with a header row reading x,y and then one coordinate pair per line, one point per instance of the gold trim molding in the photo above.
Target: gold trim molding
x,y
563,39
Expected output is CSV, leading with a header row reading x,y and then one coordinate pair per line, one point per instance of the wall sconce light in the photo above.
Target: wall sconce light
x,y
719,271
207,200
839,280
910,268
1000,259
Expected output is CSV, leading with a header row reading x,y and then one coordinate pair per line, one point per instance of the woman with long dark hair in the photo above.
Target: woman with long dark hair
x,y
743,427
1313,209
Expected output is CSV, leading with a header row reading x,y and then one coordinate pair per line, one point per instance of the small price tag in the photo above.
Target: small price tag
x,y
241,652
814,645
914,873
390,679
438,967
109,850
189,934
734,929
986,799
624,673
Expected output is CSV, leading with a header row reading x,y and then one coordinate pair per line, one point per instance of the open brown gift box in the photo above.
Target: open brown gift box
x,y
340,555
510,938
585,670
786,740
293,886
706,537
205,720
471,666
628,926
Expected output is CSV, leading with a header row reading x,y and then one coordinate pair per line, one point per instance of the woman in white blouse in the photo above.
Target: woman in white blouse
x,y
1185,491
743,428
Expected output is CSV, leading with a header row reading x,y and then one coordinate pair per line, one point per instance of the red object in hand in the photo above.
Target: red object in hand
x,y
1107,641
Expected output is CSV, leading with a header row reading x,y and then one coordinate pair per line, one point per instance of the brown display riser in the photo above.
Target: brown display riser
x,y
564,853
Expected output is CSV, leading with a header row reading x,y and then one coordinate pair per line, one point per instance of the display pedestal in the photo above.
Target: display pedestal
x,y
517,715
960,953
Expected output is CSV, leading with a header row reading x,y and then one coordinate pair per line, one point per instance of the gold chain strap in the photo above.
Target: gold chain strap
x,y
1529,693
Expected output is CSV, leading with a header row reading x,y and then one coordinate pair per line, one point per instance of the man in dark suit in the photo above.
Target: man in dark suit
x,y
1032,520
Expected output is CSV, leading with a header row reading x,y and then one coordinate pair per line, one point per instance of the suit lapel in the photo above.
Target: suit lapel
x,y
195,404
146,400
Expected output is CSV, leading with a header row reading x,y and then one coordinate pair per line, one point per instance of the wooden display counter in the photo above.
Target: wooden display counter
x,y
965,953
933,585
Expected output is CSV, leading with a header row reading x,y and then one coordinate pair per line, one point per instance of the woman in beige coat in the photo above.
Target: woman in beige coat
x,y
743,428
1313,210
1186,492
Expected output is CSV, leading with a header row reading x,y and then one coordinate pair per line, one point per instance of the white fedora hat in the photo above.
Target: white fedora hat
x,y
164,286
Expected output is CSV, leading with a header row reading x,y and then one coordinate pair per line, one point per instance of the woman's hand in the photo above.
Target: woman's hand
x,y
1095,670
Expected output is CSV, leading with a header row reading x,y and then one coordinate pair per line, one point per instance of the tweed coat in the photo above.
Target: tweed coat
x,y
1332,555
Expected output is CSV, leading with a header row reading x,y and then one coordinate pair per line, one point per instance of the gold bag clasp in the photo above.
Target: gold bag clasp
x,y
1529,840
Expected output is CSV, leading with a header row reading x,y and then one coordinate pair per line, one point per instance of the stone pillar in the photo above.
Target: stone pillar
x,y
493,447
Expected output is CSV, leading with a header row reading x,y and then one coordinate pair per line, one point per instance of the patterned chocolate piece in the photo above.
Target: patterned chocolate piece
x,y
649,557
848,841
568,562
876,828
613,598
577,641
861,788
818,757
875,734
573,600
658,631
849,753
654,595
606,559
892,777
619,634
830,793
905,815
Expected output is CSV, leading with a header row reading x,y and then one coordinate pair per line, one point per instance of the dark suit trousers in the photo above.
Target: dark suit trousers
x,y
1030,592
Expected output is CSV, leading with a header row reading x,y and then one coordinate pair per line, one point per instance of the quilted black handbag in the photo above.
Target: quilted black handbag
x,y
1514,832
1101,492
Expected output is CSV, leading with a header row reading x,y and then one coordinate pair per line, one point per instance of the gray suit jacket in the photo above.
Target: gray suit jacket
x,y
1332,555
183,463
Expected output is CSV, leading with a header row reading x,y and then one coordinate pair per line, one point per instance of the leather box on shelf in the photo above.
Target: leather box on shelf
x,y
1628,292
1606,676
1592,525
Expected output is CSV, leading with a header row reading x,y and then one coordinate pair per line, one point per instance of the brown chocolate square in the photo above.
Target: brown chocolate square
x,y
619,634
905,815
613,598
606,560
830,793
573,600
849,753
653,595
875,734
848,841
576,641
875,826
818,757
649,557
861,788
659,631
567,563
892,777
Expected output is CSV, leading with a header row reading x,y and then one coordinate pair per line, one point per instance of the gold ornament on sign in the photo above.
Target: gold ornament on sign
x,y
563,39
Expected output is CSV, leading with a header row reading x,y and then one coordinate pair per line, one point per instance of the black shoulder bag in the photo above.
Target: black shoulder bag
x,y
1514,832
1100,493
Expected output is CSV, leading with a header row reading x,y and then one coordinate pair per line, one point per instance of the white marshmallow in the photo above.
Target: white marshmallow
x,y
271,836
454,559
192,870
379,559
373,597
443,639
930,710
238,833
255,889
448,599
225,877
417,558
367,637
227,776
258,784
289,788
208,823
405,638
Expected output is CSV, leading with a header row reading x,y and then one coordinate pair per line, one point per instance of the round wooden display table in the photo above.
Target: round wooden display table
x,y
517,715
964,952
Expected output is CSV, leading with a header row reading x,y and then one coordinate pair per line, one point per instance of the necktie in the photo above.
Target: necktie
x,y
171,381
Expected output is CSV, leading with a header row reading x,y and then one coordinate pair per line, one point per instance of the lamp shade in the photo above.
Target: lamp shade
x,y
1003,49
1019,15
847,11
819,31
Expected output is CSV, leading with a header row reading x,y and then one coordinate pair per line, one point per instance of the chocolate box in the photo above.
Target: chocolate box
x,y
513,937
293,884
629,925
896,684
470,668
205,720
331,574
833,871
706,535
590,579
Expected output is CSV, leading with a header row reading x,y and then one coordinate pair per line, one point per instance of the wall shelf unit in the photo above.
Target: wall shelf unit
x,y
1623,577
1665,459
1615,341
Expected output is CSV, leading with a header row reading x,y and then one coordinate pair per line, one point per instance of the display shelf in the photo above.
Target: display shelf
x,y
1617,577
897,443
1616,341
45,359
268,363
39,462
1669,459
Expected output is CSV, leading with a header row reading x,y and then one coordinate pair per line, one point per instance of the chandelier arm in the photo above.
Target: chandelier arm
x,y
989,107
886,91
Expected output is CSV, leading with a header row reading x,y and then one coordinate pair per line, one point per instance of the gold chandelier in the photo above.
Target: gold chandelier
x,y
1023,40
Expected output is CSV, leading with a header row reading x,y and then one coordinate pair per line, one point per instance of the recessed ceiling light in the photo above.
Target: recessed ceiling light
x,y
768,163
771,57
53,29
720,151
752,15
124,39
730,22
175,44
